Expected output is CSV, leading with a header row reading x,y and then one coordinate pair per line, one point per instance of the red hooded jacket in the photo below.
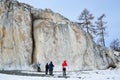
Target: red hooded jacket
x,y
64,64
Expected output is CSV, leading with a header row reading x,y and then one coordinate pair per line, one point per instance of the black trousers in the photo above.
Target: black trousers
x,y
39,69
50,72
46,71
64,71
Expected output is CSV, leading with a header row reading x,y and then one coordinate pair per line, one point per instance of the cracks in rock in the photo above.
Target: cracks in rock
x,y
84,55
32,36
9,6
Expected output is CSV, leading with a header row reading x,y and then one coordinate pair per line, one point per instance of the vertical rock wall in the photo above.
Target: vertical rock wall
x,y
29,36
58,39
15,35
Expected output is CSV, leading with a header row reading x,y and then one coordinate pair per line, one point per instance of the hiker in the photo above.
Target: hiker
x,y
46,68
51,68
38,67
64,65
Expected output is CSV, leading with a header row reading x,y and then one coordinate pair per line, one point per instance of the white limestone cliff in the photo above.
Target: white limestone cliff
x,y
15,35
29,36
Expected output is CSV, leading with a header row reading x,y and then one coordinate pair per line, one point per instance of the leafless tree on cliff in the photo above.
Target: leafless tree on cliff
x,y
115,45
100,24
85,19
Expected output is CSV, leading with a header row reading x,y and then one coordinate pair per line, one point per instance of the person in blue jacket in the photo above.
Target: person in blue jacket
x,y
51,68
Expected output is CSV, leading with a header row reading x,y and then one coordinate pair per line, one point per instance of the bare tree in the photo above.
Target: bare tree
x,y
115,45
100,24
85,19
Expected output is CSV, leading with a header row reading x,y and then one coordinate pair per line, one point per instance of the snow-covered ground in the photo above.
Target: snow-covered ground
x,y
79,75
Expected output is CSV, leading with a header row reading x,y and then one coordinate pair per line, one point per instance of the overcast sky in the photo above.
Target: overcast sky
x,y
72,8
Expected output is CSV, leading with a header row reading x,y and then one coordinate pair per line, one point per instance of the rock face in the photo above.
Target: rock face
x,y
30,36
15,35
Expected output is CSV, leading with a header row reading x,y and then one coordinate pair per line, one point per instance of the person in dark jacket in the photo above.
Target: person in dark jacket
x,y
51,68
46,68
38,67
64,65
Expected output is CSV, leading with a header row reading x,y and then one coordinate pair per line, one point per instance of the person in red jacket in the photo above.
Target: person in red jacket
x,y
64,65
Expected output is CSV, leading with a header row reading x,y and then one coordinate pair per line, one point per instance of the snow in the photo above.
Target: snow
x,y
116,53
108,74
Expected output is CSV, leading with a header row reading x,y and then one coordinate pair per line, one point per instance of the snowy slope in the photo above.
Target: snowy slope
x,y
82,75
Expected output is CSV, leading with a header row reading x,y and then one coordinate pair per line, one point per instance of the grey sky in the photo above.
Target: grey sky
x,y
72,8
